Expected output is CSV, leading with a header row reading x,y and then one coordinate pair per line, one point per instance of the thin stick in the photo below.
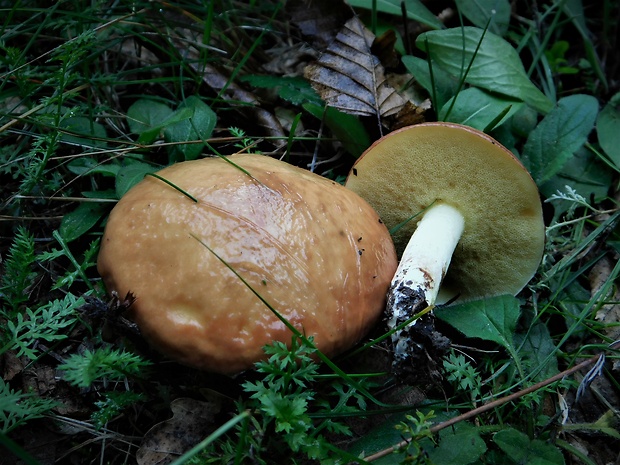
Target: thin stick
x,y
493,404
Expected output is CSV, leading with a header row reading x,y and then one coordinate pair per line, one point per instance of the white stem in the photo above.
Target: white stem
x,y
423,266
427,256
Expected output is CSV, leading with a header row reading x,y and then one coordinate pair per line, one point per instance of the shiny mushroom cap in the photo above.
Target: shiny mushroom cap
x,y
411,169
315,251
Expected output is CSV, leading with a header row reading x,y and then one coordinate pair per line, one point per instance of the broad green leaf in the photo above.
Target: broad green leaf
x,y
559,135
536,349
146,117
493,319
459,445
480,11
496,67
415,10
83,131
523,451
199,126
78,222
583,172
608,129
478,109
130,175
86,166
441,85
346,128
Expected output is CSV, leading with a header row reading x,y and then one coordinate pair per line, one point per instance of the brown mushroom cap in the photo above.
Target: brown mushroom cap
x,y
314,250
408,170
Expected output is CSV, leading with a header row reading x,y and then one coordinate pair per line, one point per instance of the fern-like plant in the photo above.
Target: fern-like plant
x,y
18,272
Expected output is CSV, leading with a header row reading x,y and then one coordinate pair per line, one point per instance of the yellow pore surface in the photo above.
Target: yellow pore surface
x,y
408,170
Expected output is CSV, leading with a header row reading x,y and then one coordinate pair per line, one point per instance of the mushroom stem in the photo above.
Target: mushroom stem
x,y
423,265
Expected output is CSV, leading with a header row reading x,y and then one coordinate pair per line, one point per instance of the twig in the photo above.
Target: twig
x,y
495,403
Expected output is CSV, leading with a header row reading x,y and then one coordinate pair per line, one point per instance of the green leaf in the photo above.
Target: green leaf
x,y
86,165
523,451
130,175
480,11
16,408
608,129
459,445
146,117
584,173
346,128
536,350
82,370
441,86
477,108
493,319
415,10
497,66
198,126
559,135
94,133
81,220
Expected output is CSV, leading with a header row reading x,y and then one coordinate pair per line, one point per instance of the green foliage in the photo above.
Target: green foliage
x,y
186,128
245,143
90,104
295,90
470,54
494,319
415,10
286,401
18,270
45,322
415,429
495,13
77,269
462,375
112,404
608,129
16,408
522,450
82,370
559,135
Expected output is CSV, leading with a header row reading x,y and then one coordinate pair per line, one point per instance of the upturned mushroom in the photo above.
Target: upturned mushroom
x,y
315,251
467,216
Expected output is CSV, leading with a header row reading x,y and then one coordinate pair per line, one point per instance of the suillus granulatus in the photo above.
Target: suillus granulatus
x,y
467,213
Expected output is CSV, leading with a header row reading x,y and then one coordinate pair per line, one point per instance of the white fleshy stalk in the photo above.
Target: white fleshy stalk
x,y
423,265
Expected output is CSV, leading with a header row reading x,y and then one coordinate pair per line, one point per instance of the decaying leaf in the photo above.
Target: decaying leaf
x,y
350,78
609,313
191,421
232,91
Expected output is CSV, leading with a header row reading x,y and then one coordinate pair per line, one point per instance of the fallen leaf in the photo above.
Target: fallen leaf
x,y
609,313
350,78
191,421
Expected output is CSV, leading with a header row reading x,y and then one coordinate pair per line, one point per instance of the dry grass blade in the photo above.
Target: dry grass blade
x,y
350,78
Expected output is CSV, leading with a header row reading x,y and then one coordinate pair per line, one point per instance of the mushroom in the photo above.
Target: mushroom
x,y
456,198
314,250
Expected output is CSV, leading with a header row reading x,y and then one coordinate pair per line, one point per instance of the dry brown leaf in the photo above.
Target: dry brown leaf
x,y
191,421
350,78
